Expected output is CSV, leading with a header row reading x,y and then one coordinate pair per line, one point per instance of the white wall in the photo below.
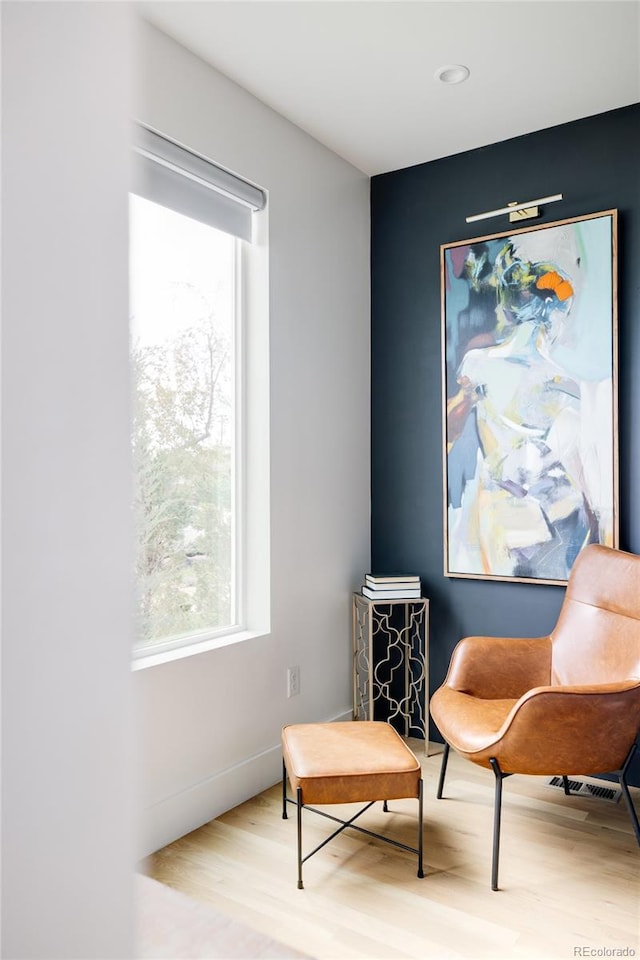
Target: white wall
x,y
67,805
211,723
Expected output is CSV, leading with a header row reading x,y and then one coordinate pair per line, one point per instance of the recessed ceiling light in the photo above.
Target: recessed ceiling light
x,y
452,73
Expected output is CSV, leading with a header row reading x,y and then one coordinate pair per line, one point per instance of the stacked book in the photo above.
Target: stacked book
x,y
393,586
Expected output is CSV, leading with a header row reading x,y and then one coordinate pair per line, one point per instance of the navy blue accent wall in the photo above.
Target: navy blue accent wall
x,y
594,163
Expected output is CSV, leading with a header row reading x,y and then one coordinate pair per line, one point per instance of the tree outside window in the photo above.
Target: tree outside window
x,y
183,364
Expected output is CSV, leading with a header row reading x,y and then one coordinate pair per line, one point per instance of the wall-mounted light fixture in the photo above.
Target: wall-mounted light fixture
x,y
516,211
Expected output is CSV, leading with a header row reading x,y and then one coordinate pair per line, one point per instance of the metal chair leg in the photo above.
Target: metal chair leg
x,y
299,808
565,784
284,792
627,795
420,842
500,776
443,770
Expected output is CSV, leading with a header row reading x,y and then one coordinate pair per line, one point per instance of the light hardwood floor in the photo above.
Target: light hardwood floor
x,y
569,874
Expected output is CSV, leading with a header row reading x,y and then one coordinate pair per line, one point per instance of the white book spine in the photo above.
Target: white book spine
x,y
381,594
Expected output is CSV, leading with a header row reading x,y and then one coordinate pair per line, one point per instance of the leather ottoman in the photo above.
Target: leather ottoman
x,y
353,762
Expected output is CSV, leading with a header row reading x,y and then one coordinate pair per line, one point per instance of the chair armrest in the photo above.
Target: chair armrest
x,y
500,668
574,729
617,686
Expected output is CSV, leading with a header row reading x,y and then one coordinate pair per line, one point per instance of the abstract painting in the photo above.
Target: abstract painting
x,y
529,334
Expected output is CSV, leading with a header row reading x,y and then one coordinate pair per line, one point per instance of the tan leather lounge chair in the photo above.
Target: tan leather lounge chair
x,y
564,704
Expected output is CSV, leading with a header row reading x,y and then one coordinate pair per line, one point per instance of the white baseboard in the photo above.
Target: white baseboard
x,y
173,817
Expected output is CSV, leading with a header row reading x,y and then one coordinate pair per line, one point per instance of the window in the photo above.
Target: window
x,y
187,318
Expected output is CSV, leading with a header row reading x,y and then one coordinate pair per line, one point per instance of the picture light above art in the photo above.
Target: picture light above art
x,y
529,356
516,211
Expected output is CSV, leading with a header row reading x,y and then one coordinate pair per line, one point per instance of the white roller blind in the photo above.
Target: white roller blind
x,y
173,176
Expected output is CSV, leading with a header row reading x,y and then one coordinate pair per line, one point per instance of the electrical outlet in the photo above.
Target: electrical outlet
x,y
293,681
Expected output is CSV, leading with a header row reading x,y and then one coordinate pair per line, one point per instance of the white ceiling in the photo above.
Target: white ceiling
x,y
358,74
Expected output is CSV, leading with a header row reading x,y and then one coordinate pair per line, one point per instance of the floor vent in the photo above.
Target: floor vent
x,y
584,788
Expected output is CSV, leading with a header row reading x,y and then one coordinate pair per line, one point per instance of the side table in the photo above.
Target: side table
x,y
391,663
